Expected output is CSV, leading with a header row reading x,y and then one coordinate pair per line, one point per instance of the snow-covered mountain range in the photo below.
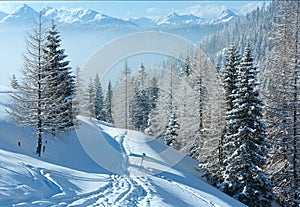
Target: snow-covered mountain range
x,y
89,30
26,15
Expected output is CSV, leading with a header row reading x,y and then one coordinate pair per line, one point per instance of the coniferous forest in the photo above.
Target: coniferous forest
x,y
237,114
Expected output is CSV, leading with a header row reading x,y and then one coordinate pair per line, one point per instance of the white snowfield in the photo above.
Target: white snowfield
x,y
98,165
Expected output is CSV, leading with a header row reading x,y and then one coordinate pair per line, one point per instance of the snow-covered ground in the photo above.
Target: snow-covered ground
x,y
97,165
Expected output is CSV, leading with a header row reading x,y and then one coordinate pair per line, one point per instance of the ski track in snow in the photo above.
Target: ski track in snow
x,y
135,186
120,191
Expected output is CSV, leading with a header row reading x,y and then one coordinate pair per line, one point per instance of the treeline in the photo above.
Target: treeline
x,y
177,103
259,149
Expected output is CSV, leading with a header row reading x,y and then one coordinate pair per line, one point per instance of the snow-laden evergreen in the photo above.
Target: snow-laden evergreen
x,y
99,100
140,105
14,82
243,174
108,104
230,84
232,62
139,110
171,133
61,84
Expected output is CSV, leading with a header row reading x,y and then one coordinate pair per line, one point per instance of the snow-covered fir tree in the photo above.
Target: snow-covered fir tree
x,y
14,82
139,110
153,92
230,74
187,66
243,174
61,85
141,104
232,62
172,131
99,100
282,86
108,104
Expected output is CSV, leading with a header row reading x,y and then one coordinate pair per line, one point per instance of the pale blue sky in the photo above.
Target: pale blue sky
x,y
154,9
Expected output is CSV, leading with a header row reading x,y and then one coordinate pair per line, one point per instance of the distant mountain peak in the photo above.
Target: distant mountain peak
x,y
226,16
173,14
24,9
23,14
228,13
179,19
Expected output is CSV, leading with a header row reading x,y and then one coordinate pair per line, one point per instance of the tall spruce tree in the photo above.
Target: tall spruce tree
x,y
153,92
139,110
243,174
232,62
99,100
108,104
14,82
61,84
171,133
230,79
140,104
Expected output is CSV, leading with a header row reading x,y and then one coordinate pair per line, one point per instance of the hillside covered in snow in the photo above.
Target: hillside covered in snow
x,y
97,165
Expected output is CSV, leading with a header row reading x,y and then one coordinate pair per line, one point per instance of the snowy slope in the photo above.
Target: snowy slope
x,y
98,165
